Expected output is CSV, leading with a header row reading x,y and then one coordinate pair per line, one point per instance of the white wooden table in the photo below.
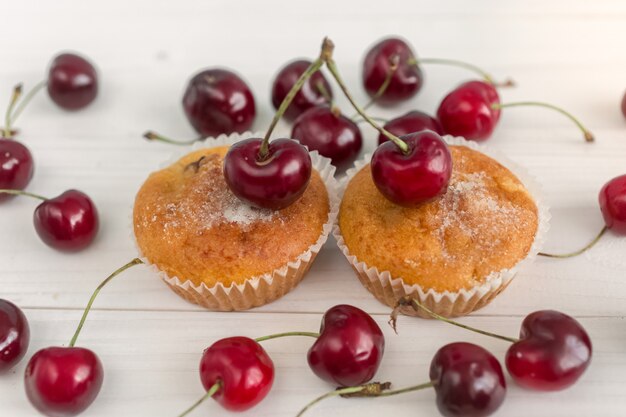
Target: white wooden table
x,y
566,52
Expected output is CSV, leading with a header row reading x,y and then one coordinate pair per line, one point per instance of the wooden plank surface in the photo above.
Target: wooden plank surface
x,y
566,52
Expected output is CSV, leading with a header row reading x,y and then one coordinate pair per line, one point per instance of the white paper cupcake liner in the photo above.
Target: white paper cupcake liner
x,y
389,290
262,289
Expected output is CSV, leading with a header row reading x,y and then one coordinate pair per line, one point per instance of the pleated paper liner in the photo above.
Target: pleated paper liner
x,y
263,289
389,290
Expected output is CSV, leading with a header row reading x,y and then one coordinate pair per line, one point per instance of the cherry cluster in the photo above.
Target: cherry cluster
x,y
68,222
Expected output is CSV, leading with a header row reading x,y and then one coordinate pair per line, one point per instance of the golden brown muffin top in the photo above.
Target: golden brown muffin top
x,y
484,223
189,224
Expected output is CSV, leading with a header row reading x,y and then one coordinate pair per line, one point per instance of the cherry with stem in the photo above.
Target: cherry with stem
x,y
347,351
467,379
273,176
612,201
552,352
66,380
68,222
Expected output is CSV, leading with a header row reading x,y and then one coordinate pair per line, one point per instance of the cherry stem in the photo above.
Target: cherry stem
x,y
462,64
130,264
150,135
378,119
370,390
587,134
578,252
396,140
27,98
211,392
418,306
324,92
327,49
394,61
286,334
17,92
24,193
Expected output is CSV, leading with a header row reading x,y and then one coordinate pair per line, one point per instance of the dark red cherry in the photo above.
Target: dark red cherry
x,y
411,122
16,166
553,352
310,95
68,222
331,134
613,204
218,101
467,111
273,183
72,81
14,335
412,178
63,381
406,80
468,381
349,348
242,367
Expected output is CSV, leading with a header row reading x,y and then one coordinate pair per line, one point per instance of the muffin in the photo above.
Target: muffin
x,y
215,250
455,253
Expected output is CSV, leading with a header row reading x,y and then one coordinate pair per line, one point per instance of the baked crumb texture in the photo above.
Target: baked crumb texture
x,y
190,225
484,223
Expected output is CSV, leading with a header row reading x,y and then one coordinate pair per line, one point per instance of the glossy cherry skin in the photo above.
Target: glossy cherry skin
x,y
218,101
332,135
63,381
72,81
613,204
274,183
14,335
68,222
411,122
554,350
244,369
406,80
468,380
309,95
467,111
416,177
349,348
16,166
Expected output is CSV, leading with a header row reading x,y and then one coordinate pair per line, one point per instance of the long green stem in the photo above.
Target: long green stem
x,y
587,134
150,135
341,391
324,92
333,70
312,69
389,393
578,252
394,61
17,92
27,98
24,193
462,64
211,392
132,263
419,306
370,390
287,334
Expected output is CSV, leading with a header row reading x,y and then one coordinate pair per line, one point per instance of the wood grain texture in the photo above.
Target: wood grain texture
x,y
566,52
